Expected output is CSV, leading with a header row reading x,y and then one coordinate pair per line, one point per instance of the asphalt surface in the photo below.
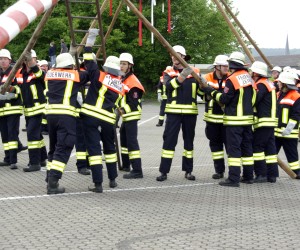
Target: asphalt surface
x,y
144,213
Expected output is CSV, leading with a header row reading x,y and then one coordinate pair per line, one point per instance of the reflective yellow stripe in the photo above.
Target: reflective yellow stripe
x,y
240,103
13,144
234,162
274,104
124,150
88,56
188,154
61,109
98,113
33,144
12,110
57,165
42,143
81,155
259,156
294,165
213,118
265,122
49,164
38,74
135,115
218,96
181,108
134,154
218,155
246,161
95,160
167,154
194,90
101,98
271,159
6,146
110,158
38,109
34,91
174,83
68,92
235,120
292,135
254,98
285,115
44,121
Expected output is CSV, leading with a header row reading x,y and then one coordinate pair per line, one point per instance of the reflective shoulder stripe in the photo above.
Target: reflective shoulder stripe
x,y
290,98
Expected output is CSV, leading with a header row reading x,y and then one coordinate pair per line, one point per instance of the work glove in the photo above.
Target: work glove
x,y
208,90
2,97
159,98
73,50
185,72
79,98
90,41
288,129
10,96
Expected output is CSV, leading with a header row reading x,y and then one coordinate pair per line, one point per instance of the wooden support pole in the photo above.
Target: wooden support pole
x,y
237,35
162,40
247,34
99,15
111,26
286,168
30,45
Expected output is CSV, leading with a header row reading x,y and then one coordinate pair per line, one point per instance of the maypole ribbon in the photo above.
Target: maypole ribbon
x,y
141,25
169,16
110,7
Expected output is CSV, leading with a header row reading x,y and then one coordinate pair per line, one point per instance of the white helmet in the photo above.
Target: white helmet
x,y
5,53
64,60
112,66
277,68
33,54
221,60
289,78
260,68
286,68
179,49
126,57
42,62
237,57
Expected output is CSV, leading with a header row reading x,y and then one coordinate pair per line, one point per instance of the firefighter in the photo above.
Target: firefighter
x,y
288,115
238,97
31,81
213,116
131,111
10,111
98,114
264,149
63,83
43,64
275,74
162,98
182,111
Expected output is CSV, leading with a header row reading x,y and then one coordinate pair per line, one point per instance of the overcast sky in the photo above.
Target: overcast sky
x,y
270,21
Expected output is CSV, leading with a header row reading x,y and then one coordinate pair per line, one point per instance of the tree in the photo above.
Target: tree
x,y
197,25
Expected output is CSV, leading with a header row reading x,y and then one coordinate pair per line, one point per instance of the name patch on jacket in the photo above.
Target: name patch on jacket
x,y
114,84
244,79
62,75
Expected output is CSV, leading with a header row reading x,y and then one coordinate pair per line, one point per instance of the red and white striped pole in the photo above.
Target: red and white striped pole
x,y
18,16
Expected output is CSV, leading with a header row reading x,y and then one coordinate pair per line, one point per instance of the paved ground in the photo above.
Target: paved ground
x,y
145,214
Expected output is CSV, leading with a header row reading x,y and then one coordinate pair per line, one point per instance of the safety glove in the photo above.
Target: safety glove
x,y
159,98
288,129
90,41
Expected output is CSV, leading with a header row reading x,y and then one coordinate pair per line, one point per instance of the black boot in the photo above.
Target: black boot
x,y
272,179
44,163
125,169
260,179
189,176
53,186
246,181
160,123
32,168
133,175
112,183
162,177
84,171
229,183
218,176
97,189
4,164
13,166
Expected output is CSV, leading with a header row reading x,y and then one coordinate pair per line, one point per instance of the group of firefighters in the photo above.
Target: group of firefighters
x,y
248,114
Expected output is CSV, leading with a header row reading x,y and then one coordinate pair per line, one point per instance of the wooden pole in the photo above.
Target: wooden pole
x,y
99,15
286,168
237,35
247,34
111,26
162,40
30,45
